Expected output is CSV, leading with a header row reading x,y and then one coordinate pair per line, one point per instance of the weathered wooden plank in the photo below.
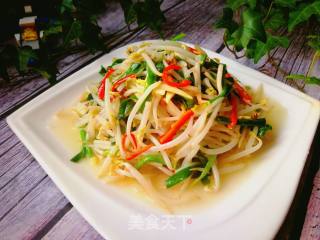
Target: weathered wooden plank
x,y
14,191
311,227
293,223
16,160
37,209
5,132
72,226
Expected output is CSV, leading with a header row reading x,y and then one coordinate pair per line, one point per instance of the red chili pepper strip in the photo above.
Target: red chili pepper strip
x,y
193,50
227,75
102,86
139,152
244,95
124,138
168,136
168,79
120,81
234,111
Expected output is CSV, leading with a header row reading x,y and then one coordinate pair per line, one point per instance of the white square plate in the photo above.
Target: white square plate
x,y
254,210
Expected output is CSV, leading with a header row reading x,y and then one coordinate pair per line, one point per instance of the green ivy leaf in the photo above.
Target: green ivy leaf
x,y
306,79
314,42
47,72
128,10
149,14
74,32
303,13
262,48
52,30
234,4
285,3
25,55
252,28
66,5
146,13
226,21
275,20
90,36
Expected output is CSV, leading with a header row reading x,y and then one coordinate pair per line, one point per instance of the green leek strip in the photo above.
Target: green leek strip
x,y
125,107
259,122
263,130
155,158
225,91
202,58
85,151
151,77
103,70
83,136
178,177
211,161
117,61
78,156
160,66
136,68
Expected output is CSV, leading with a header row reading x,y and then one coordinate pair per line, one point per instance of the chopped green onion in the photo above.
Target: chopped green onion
x,y
125,107
136,68
103,70
151,77
89,97
263,130
160,66
207,168
85,151
83,135
178,177
225,91
203,58
78,156
117,61
157,158
260,122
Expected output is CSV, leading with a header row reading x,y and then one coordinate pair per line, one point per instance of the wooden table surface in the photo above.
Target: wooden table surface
x,y
32,207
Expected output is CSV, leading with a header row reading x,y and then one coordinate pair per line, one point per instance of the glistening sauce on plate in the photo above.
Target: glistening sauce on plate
x,y
63,126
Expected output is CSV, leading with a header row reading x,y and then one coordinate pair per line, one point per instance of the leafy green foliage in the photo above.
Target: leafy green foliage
x,y
226,21
314,42
276,19
256,31
303,13
285,3
146,13
76,26
251,28
262,48
235,4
